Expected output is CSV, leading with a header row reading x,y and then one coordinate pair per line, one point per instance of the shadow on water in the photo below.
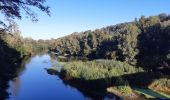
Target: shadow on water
x,y
91,92
9,61
96,89
94,93
92,89
10,66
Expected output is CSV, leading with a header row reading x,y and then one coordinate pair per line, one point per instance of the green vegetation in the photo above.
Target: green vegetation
x,y
9,61
122,91
164,94
132,52
149,93
114,76
138,51
98,69
145,94
143,42
26,46
13,47
103,72
13,50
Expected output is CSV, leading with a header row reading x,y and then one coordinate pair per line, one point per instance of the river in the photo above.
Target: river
x,y
34,83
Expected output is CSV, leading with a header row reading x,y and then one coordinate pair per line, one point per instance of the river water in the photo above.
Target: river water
x,y
34,83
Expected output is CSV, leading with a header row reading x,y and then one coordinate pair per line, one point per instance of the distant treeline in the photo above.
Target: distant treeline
x,y
13,50
144,42
25,46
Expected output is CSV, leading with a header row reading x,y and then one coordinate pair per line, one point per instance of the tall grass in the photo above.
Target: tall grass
x,y
98,69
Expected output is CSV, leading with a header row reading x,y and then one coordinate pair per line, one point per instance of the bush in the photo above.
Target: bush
x,y
101,72
98,69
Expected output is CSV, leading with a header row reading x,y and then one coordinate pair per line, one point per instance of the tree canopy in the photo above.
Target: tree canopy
x,y
143,42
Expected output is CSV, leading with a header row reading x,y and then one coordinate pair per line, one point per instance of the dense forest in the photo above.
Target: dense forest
x,y
123,56
143,42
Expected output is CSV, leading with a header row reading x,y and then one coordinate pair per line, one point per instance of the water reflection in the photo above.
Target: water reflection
x,y
15,85
91,93
87,92
34,83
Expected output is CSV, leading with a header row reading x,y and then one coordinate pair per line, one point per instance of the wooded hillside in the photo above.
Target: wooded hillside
x,y
144,42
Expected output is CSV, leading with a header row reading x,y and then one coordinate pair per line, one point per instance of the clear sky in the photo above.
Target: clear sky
x,y
68,16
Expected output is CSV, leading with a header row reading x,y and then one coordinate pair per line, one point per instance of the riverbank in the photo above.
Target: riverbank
x,y
114,76
35,73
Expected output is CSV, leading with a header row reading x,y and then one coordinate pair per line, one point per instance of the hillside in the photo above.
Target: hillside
x,y
143,42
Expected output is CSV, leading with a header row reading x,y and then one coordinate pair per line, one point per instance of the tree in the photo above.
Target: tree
x,y
91,40
128,43
11,9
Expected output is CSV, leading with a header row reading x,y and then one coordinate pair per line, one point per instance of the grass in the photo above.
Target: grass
x,y
164,94
145,94
124,89
120,90
58,64
120,75
149,93
100,74
98,69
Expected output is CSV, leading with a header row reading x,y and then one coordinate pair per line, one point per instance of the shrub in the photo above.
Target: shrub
x,y
101,72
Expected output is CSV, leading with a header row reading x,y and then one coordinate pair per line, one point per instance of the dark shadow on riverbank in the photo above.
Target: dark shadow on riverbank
x,y
10,61
153,45
96,89
92,92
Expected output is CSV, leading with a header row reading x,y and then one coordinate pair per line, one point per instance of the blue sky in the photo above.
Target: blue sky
x,y
68,16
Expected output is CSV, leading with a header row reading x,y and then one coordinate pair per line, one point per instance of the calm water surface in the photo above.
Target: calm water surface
x,y
34,83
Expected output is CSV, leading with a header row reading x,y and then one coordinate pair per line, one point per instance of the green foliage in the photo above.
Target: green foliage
x,y
98,69
103,72
13,50
10,59
128,44
124,89
25,46
143,42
